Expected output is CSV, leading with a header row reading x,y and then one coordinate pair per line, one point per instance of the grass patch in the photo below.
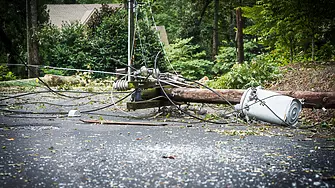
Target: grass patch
x,y
20,83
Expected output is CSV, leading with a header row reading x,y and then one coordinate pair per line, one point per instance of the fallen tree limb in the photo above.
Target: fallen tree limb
x,y
311,99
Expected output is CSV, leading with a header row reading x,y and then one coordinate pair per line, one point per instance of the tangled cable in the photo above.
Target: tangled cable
x,y
171,101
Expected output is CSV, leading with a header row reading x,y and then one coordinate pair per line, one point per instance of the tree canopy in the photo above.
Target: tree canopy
x,y
277,31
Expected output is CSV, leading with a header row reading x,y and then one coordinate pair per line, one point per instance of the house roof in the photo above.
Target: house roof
x,y
60,13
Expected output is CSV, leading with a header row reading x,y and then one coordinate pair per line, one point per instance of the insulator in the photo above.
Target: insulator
x,y
145,72
121,85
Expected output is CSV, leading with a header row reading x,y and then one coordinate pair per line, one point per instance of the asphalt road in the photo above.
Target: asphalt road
x,y
43,151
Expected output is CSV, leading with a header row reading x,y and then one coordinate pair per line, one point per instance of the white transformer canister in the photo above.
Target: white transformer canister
x,y
269,106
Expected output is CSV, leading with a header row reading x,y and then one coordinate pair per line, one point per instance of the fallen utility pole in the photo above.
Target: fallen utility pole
x,y
233,96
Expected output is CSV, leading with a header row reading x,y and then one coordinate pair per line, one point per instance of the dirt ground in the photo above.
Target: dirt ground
x,y
311,76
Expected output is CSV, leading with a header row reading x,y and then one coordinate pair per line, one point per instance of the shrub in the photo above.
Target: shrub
x,y
5,74
227,56
193,69
102,45
186,59
245,75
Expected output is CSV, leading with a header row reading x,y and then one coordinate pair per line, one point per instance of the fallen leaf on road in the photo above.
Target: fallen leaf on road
x,y
169,157
328,178
4,174
45,157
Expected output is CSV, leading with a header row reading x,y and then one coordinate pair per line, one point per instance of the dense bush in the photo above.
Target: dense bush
x,y
5,74
187,61
101,45
227,56
261,70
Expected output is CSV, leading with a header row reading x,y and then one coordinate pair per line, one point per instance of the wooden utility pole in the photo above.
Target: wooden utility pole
x,y
28,30
239,36
32,43
131,8
215,29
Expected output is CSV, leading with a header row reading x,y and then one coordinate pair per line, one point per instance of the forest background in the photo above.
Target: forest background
x,y
202,36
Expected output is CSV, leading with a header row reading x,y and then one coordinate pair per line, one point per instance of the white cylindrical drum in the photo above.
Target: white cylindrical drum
x,y
270,106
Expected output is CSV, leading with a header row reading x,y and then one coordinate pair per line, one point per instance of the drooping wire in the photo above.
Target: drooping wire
x,y
212,90
132,51
73,69
84,112
35,117
160,42
55,104
48,103
263,103
144,57
37,76
38,92
171,101
257,101
112,98
107,106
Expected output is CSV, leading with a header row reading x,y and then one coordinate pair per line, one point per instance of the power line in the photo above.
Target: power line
x,y
171,101
62,112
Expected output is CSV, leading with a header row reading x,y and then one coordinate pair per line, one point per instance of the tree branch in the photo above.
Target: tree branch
x,y
198,22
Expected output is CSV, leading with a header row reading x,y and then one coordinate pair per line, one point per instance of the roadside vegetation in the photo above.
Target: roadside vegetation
x,y
278,37
276,34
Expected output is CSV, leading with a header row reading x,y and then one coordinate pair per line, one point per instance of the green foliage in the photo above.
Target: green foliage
x,y
68,47
102,45
99,1
294,27
322,53
5,74
175,15
53,72
193,69
227,56
245,75
181,50
105,12
225,60
186,59
13,23
325,52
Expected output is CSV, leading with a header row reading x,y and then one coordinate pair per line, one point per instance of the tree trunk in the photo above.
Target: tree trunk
x,y
34,56
313,47
215,29
291,50
28,30
198,21
231,26
311,99
239,36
